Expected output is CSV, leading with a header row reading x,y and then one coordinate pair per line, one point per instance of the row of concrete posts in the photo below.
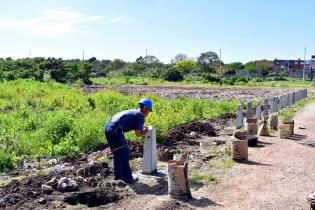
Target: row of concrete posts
x,y
269,106
260,119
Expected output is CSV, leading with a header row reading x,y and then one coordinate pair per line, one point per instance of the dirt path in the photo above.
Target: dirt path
x,y
279,175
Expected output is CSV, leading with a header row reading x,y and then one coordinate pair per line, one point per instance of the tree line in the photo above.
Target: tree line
x,y
207,65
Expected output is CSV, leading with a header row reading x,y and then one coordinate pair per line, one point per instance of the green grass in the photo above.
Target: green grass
x,y
50,119
290,112
201,178
290,83
222,164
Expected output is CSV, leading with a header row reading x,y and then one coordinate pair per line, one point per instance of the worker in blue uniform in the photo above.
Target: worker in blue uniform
x,y
114,130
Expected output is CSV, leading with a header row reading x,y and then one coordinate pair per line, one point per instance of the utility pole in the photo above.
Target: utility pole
x,y
220,63
304,64
146,62
83,55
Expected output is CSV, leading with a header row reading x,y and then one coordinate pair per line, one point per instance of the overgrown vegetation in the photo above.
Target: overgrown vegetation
x,y
40,119
47,70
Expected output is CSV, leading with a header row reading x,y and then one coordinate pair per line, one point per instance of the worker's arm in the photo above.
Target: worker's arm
x,y
141,132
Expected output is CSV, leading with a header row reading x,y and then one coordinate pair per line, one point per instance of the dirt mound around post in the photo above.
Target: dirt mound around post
x,y
135,149
222,121
208,127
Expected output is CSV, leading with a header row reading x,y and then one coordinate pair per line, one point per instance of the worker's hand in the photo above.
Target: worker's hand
x,y
145,129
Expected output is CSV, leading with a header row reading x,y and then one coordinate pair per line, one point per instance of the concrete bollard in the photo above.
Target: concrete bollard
x,y
284,101
258,110
291,98
288,99
265,110
249,111
239,117
272,105
276,108
149,164
280,103
298,95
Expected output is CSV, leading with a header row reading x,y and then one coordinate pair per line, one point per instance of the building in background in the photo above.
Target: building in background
x,y
294,68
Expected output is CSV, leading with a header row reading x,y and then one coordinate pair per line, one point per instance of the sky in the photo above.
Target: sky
x,y
244,30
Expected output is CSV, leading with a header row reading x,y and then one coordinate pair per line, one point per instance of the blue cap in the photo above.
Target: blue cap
x,y
147,103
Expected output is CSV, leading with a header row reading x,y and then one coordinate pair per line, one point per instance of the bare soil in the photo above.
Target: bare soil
x,y
171,92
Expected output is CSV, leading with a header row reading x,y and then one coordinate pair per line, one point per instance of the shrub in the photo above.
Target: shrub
x,y
57,126
7,160
257,79
172,74
210,77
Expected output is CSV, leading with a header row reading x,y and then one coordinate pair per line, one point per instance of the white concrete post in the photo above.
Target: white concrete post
x,y
305,93
276,109
297,96
149,164
280,103
290,97
239,117
249,111
258,110
272,105
285,101
265,111
293,98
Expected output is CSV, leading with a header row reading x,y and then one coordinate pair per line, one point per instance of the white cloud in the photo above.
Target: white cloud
x,y
120,20
52,22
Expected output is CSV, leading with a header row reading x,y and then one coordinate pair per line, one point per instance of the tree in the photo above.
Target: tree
x,y
250,67
117,64
236,65
92,60
186,66
264,66
85,71
179,57
208,61
231,67
172,74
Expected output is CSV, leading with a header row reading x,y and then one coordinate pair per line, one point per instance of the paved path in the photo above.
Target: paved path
x,y
279,175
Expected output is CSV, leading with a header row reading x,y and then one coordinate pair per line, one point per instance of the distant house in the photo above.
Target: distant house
x,y
294,67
